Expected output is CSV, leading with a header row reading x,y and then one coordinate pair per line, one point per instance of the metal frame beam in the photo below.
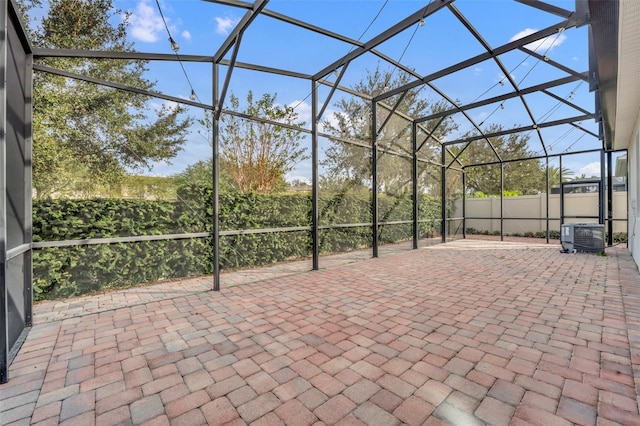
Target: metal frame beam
x,y
28,192
16,116
570,23
496,99
315,181
334,86
501,201
414,186
412,19
566,102
537,157
289,20
268,70
219,102
548,60
96,54
40,52
4,292
310,27
215,180
392,112
158,95
443,194
244,23
374,180
504,70
521,129
120,86
609,186
603,61
601,190
555,10
464,204
547,186
429,134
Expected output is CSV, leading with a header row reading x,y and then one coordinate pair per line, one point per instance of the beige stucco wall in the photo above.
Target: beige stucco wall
x,y
535,206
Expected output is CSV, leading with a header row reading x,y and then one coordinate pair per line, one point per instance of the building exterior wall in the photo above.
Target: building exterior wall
x,y
633,158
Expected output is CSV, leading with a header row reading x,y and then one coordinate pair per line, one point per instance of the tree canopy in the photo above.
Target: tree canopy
x,y
350,163
201,174
84,132
258,154
524,177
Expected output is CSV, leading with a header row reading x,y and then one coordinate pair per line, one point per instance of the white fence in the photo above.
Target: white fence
x,y
535,206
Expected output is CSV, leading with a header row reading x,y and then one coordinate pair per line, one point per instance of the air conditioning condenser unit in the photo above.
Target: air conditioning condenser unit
x,y
582,237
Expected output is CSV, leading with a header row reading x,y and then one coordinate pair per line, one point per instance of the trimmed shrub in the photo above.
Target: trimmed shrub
x,y
74,270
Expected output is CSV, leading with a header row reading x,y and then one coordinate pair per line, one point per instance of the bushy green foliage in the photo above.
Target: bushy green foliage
x,y
74,270
64,219
506,193
618,237
71,271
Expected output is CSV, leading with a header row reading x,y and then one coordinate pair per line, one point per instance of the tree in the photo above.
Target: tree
x,y
555,172
201,173
258,155
86,133
524,177
350,164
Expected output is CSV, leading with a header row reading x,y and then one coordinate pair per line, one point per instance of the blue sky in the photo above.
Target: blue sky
x,y
200,27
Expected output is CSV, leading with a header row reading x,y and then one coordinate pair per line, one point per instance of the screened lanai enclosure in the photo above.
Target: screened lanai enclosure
x,y
209,135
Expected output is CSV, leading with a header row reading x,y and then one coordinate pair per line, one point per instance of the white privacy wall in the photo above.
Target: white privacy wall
x,y
517,209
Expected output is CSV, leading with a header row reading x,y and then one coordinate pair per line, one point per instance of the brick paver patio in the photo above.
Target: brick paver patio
x,y
464,333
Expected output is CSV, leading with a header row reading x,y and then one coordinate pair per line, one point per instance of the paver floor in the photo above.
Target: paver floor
x,y
464,333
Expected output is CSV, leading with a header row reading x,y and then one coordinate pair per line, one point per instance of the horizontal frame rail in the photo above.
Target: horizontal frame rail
x,y
17,251
116,240
142,238
512,218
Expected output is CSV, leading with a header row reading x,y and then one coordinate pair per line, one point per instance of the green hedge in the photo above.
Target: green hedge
x,y
74,270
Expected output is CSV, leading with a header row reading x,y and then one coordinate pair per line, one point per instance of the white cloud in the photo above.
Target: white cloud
x,y
542,45
167,105
590,170
224,25
146,23
186,35
303,109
